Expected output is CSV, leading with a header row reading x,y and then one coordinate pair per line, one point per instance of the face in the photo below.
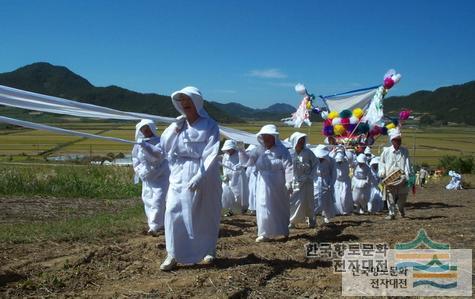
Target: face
x,y
300,144
187,105
269,140
396,142
230,152
146,131
331,140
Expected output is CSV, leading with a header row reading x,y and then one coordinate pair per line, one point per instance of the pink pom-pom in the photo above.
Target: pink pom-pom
x,y
388,83
404,114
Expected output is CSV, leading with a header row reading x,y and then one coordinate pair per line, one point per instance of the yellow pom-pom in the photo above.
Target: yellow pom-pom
x,y
333,114
339,130
390,126
309,105
358,112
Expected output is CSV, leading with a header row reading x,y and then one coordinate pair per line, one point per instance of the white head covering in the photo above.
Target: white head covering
x,y
270,130
367,151
361,158
295,137
144,122
195,96
394,133
375,160
250,147
229,144
340,157
321,151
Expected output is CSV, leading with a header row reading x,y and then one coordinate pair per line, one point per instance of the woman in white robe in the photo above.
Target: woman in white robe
x,y
375,203
235,184
153,171
274,184
342,186
455,182
304,163
361,184
323,181
193,206
252,183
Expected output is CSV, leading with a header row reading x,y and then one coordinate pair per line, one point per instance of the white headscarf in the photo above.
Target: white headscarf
x,y
269,130
145,122
394,133
229,144
321,151
295,137
361,158
195,96
375,160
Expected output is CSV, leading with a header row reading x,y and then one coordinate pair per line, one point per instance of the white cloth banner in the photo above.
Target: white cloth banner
x,y
350,102
36,126
38,102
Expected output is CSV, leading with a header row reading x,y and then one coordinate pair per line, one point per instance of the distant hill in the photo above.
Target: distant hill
x,y
273,112
454,103
61,82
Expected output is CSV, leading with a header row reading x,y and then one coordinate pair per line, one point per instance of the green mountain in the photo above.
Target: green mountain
x,y
454,103
61,82
274,112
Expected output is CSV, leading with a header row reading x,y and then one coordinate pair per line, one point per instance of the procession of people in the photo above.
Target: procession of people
x,y
186,183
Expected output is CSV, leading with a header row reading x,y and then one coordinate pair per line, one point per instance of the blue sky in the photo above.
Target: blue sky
x,y
251,52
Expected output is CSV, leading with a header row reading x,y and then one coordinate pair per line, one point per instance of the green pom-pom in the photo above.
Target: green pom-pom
x,y
346,114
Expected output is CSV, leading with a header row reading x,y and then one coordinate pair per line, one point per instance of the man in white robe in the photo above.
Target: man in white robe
x,y
323,184
375,203
361,184
154,173
274,184
235,183
342,185
395,158
193,206
304,163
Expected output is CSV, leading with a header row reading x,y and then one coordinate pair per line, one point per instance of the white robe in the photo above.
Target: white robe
x,y
274,168
361,186
323,188
301,200
235,184
455,183
192,217
251,173
153,171
375,203
342,189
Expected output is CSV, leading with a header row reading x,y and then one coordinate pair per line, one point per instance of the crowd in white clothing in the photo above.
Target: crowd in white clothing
x,y
184,190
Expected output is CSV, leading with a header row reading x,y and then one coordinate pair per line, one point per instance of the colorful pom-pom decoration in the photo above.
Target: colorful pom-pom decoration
x,y
333,115
336,121
339,130
388,83
404,114
327,123
354,120
309,105
345,114
375,131
384,131
390,126
328,131
358,113
351,128
363,128
345,121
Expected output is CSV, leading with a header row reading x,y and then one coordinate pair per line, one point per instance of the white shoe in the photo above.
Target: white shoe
x,y
291,225
326,220
209,259
168,264
262,239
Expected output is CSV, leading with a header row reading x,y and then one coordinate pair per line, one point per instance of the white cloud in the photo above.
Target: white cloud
x,y
267,73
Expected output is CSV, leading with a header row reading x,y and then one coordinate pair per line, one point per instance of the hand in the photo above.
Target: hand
x,y
194,183
179,123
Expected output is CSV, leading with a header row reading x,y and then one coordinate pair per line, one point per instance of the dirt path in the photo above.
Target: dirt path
x,y
128,265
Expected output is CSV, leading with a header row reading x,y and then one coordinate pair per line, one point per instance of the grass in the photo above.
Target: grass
x,y
70,182
85,228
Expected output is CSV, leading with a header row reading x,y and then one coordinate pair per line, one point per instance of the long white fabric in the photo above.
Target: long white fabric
x,y
18,98
350,102
235,183
361,185
323,187
342,188
153,171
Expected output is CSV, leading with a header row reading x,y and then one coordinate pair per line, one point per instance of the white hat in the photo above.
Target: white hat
x,y
195,96
321,151
373,161
394,133
361,158
340,157
229,144
295,137
269,130
143,123
367,150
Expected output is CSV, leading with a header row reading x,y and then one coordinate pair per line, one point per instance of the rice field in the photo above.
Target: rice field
x,y
426,145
